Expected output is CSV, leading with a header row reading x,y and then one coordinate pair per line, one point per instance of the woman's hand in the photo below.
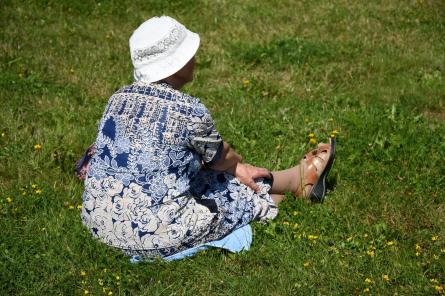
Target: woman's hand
x,y
247,174
230,162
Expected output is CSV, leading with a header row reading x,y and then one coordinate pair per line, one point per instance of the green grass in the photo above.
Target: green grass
x,y
373,70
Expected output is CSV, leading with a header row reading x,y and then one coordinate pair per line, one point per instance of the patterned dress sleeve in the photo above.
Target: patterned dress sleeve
x,y
205,139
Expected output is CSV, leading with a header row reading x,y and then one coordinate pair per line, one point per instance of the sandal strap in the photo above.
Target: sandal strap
x,y
322,148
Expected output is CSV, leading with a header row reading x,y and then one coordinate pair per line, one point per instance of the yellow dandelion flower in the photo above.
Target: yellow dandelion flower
x,y
86,292
368,281
311,135
295,213
83,273
434,238
386,277
334,134
434,281
34,186
39,191
9,199
79,206
390,243
313,141
418,249
439,289
246,82
118,277
3,135
295,225
371,253
37,147
366,290
100,282
70,207
312,237
306,264
105,270
435,257
286,223
110,293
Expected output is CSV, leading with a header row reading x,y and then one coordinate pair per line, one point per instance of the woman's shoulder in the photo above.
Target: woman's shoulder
x,y
158,92
137,88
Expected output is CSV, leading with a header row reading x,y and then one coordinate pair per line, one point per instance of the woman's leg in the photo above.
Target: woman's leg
x,y
286,180
290,180
277,198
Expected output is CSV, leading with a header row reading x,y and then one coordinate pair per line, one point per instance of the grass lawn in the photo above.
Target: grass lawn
x,y
271,72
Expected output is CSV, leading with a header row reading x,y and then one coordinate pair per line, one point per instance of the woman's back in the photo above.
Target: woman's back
x,y
145,159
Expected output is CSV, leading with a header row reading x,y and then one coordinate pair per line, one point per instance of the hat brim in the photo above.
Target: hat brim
x,y
170,64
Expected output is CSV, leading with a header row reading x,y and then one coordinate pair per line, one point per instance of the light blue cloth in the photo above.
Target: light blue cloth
x,y
237,241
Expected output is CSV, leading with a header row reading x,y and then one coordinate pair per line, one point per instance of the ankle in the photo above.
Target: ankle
x,y
296,180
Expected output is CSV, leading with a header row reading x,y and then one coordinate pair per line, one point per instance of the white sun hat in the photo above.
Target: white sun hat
x,y
160,47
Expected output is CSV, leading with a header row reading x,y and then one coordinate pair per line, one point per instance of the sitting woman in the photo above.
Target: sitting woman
x,y
161,182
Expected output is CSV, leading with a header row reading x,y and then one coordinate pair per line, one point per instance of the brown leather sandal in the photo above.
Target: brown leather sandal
x,y
315,167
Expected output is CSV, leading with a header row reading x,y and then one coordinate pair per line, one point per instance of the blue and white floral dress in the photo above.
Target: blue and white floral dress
x,y
146,191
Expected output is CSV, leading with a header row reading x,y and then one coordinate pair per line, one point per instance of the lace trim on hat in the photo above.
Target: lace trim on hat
x,y
173,39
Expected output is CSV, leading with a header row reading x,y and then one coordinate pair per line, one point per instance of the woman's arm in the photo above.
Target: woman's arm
x,y
230,162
